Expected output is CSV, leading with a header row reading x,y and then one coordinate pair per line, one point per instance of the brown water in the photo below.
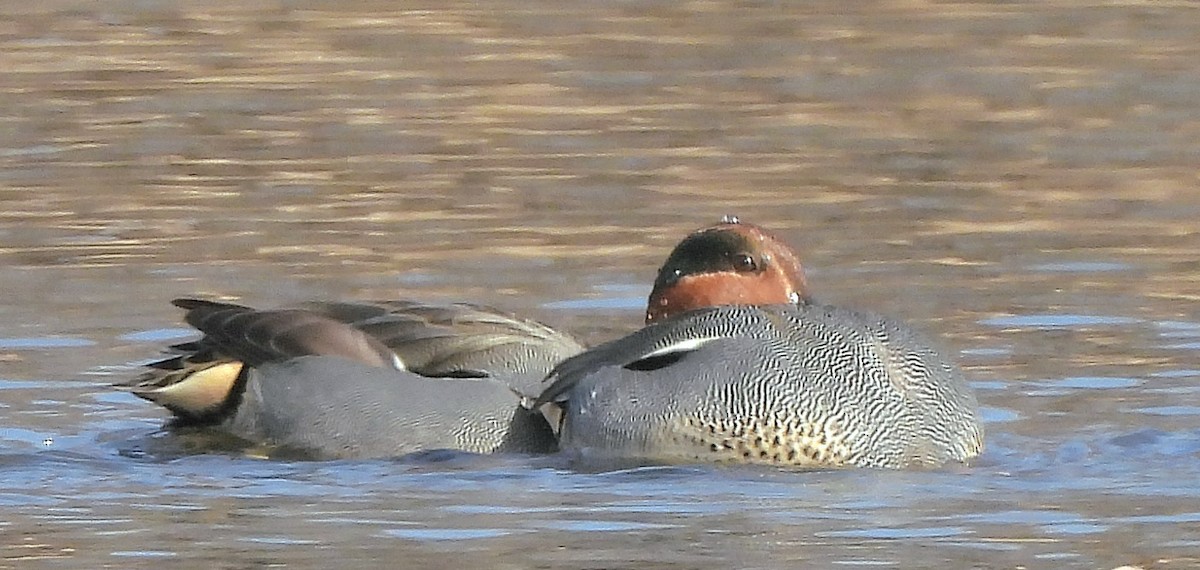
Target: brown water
x,y
1019,179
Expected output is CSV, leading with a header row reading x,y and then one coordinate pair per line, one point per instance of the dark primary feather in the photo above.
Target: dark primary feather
x,y
438,341
459,339
256,337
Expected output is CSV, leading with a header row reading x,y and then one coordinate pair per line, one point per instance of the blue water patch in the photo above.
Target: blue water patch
x,y
1057,321
1101,382
1184,373
143,554
9,384
992,415
637,289
1038,517
24,499
606,303
1073,528
27,436
44,342
1067,386
117,397
990,385
1169,410
35,150
619,296
1180,518
158,335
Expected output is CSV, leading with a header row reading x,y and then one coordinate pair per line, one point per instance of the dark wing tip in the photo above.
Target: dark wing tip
x,y
192,303
189,303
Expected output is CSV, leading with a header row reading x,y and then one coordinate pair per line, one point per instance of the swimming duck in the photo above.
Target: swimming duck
x,y
333,380
739,364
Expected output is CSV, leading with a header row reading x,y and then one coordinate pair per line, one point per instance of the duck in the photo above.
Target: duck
x,y
739,364
334,380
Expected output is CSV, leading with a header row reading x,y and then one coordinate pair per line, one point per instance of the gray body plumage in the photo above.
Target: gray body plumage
x,y
330,407
806,385
362,379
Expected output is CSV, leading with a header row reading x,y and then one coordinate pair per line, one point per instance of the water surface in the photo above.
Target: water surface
x,y
1018,180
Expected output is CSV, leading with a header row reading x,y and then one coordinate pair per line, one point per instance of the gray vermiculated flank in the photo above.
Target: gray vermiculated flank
x,y
289,404
802,385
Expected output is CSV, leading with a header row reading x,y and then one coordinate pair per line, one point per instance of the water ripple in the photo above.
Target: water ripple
x,y
19,343
1057,321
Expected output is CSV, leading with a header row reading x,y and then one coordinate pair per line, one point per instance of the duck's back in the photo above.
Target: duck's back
x,y
361,379
459,339
800,385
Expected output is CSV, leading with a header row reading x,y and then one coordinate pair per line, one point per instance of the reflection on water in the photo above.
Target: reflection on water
x,y
1018,180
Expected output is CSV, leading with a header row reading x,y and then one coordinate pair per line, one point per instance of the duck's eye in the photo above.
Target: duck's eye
x,y
744,263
